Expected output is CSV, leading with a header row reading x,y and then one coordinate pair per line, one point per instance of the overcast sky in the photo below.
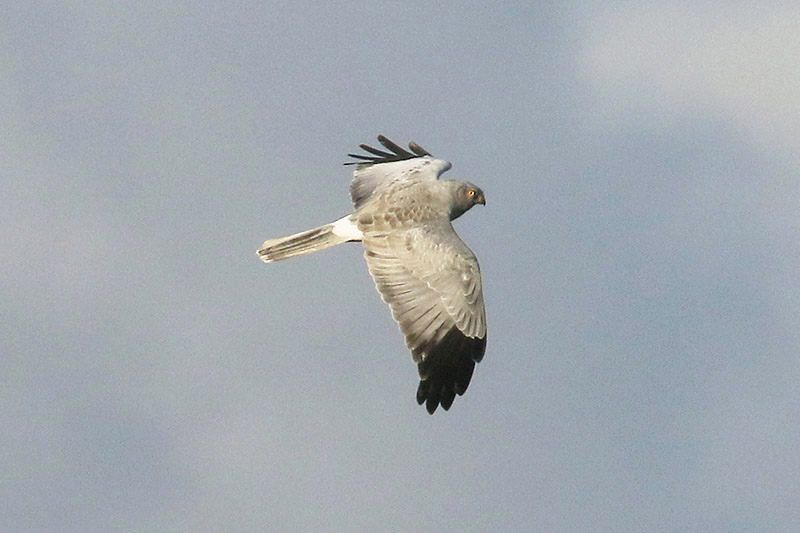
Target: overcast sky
x,y
639,250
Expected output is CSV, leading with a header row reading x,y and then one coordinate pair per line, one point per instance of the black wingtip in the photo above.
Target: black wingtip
x,y
396,153
374,151
397,149
447,369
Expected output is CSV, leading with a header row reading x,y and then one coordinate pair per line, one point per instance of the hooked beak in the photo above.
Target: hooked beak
x,y
481,200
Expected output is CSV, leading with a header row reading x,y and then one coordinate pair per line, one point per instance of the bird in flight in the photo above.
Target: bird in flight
x,y
430,279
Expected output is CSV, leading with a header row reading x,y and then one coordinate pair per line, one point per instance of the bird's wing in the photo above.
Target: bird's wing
x,y
432,282
397,164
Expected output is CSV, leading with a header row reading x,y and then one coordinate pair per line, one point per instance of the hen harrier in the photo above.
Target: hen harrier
x,y
421,268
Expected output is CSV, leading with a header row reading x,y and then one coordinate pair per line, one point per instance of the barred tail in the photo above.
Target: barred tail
x,y
309,241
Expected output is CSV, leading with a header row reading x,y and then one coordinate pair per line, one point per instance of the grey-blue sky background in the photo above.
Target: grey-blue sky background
x,y
639,249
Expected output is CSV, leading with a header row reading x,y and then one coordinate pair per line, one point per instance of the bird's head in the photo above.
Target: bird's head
x,y
466,195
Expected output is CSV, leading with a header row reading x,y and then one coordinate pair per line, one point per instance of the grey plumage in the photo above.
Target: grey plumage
x,y
422,269
298,244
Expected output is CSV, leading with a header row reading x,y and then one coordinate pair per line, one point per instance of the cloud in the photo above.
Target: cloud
x,y
739,63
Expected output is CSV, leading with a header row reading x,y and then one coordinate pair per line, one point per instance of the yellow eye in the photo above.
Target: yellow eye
x,y
471,193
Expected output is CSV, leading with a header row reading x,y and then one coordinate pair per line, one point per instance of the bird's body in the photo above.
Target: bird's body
x,y
422,269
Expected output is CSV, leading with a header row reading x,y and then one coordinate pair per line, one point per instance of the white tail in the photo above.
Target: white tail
x,y
343,230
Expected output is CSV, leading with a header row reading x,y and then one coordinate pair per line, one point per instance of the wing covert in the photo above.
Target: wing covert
x,y
397,164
